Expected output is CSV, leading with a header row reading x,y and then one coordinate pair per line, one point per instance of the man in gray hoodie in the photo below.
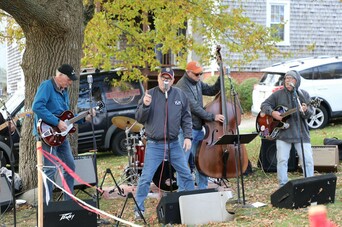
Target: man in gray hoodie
x,y
298,131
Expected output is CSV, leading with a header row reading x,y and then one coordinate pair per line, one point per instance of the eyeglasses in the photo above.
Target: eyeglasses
x,y
197,74
289,78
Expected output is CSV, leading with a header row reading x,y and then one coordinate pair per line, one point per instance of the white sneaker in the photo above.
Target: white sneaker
x,y
137,215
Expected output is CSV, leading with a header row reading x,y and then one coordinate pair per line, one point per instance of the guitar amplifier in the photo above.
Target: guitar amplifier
x,y
326,158
85,169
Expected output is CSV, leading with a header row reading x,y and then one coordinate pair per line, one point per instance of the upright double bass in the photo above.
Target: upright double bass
x,y
227,160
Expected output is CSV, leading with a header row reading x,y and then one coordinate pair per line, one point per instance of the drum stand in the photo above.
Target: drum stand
x,y
131,174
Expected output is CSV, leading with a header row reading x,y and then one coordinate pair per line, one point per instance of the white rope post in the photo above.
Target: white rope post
x,y
40,183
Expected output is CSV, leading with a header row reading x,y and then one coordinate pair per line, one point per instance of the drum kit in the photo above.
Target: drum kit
x,y
135,146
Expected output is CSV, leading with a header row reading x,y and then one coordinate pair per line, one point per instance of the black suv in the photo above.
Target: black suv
x,y
118,101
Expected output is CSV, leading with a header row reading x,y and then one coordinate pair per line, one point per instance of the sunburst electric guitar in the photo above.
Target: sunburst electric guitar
x,y
269,128
52,136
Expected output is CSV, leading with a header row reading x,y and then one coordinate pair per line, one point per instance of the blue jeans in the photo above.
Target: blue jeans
x,y
64,153
153,157
197,137
283,154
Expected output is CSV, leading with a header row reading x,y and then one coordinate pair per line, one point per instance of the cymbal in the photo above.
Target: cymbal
x,y
126,122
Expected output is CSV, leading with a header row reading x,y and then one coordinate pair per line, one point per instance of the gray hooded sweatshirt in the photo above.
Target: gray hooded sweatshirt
x,y
286,98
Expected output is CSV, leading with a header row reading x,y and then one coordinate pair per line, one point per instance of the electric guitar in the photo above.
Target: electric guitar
x,y
16,118
269,128
52,136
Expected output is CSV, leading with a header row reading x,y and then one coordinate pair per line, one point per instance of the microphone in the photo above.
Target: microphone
x,y
90,80
166,87
228,71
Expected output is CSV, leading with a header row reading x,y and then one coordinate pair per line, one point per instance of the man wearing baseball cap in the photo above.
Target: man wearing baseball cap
x,y
194,89
163,110
50,102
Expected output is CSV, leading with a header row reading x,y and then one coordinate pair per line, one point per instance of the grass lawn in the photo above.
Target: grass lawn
x,y
258,188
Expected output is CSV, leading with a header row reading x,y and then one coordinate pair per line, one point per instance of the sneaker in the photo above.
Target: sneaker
x,y
137,215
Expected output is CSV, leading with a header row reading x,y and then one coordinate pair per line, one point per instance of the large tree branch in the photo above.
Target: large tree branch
x,y
39,13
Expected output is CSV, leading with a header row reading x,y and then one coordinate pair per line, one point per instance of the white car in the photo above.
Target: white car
x,y
321,77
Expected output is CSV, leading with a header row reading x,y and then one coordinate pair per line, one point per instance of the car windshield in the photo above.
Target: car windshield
x,y
271,79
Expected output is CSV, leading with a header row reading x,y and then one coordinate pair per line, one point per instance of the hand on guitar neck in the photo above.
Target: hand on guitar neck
x,y
63,126
280,115
55,135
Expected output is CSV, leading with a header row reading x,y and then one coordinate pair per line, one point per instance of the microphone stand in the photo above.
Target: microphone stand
x,y
90,82
300,129
12,159
168,139
237,145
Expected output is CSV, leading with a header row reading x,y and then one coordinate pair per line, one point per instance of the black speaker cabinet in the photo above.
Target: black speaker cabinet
x,y
85,169
305,192
268,157
5,193
168,207
68,214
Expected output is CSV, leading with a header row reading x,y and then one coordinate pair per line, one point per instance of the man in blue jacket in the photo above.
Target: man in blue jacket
x,y
51,100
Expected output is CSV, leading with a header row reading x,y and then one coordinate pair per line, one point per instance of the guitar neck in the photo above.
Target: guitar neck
x,y
289,112
4,125
78,117
314,103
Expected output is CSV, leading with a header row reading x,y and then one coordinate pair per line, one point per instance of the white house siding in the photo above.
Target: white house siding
x,y
311,21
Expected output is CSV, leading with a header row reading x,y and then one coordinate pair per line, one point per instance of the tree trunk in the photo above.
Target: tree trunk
x,y
54,35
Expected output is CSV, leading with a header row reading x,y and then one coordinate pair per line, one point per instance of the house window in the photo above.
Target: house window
x,y
278,17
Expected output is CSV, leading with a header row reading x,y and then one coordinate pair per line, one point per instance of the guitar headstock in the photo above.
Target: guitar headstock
x,y
99,105
315,102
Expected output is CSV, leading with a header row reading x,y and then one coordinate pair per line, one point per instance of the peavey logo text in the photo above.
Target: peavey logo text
x,y
67,216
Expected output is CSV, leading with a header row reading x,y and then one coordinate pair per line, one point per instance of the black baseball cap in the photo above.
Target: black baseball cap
x,y
68,70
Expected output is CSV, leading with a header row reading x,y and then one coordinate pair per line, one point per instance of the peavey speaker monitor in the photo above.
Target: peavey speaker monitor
x,y
168,207
69,214
268,157
305,192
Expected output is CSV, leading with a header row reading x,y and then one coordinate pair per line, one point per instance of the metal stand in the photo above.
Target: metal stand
x,y
90,82
300,128
120,190
168,144
12,160
237,140
130,195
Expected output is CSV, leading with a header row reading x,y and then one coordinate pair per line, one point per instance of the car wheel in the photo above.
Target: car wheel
x,y
119,144
319,119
